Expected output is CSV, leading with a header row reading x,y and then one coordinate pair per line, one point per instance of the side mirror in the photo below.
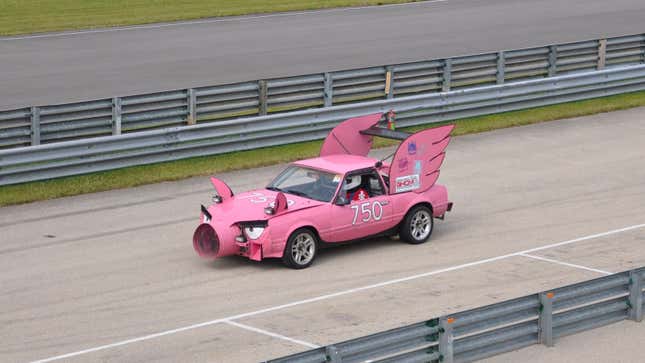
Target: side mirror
x,y
341,200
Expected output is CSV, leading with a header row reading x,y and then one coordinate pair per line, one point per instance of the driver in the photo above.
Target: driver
x,y
353,188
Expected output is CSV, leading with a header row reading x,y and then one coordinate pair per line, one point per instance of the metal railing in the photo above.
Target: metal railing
x,y
40,162
113,116
494,329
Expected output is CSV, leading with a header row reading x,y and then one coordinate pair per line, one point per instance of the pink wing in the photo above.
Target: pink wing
x,y
415,166
347,139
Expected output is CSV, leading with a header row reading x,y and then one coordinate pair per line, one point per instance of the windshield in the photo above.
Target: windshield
x,y
308,183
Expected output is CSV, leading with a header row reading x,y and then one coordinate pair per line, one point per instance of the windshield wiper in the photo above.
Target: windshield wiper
x,y
275,189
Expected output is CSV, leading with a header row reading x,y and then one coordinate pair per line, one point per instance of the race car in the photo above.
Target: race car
x,y
341,196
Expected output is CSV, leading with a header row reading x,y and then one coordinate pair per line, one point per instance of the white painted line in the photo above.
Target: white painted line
x,y
566,264
274,335
212,20
336,294
130,341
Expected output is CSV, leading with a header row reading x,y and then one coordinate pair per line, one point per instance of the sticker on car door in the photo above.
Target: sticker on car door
x,y
407,182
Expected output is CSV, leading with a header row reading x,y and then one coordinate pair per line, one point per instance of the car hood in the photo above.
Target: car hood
x,y
249,206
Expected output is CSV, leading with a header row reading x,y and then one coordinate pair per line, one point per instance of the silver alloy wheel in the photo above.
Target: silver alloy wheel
x,y
421,225
303,248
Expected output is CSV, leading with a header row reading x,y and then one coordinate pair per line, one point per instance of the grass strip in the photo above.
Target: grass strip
x,y
31,16
207,165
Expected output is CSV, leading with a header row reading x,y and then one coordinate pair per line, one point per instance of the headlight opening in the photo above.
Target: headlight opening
x,y
253,232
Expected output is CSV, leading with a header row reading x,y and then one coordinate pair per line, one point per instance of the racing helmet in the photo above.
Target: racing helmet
x,y
352,182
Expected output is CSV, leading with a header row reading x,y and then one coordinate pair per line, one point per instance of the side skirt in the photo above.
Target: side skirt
x,y
387,233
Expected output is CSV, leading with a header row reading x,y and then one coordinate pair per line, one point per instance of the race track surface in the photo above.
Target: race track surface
x,y
58,68
113,277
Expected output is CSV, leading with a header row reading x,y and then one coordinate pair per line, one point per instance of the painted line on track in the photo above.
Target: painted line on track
x,y
274,335
336,294
213,20
566,264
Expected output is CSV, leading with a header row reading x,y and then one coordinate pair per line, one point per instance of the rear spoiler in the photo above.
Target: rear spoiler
x,y
386,133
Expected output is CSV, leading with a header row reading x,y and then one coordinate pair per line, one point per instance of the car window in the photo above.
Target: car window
x,y
361,186
305,182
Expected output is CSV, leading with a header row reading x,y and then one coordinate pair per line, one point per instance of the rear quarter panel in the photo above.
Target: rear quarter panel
x,y
437,196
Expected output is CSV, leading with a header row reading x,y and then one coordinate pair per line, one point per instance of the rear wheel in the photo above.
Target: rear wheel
x,y
417,225
301,249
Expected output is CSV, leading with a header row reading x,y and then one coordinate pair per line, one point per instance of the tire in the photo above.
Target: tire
x,y
301,249
417,225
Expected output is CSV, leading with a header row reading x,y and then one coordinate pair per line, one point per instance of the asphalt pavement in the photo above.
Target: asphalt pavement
x,y
75,66
113,277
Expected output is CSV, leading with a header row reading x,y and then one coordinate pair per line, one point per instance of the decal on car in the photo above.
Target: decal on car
x,y
407,182
417,166
369,211
403,164
412,148
259,198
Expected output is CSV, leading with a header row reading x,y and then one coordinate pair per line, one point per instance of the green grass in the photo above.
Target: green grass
x,y
31,16
139,175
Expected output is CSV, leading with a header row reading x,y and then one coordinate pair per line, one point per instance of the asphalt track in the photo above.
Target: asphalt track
x,y
57,68
112,276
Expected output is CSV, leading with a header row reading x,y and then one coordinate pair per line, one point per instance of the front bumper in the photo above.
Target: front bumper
x,y
211,242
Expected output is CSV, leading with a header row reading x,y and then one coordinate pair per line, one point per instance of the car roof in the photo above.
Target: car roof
x,y
341,163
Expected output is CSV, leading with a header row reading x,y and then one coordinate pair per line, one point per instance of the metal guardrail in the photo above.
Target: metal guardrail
x,y
494,329
113,116
41,162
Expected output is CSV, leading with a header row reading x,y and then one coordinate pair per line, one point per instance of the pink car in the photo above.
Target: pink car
x,y
340,196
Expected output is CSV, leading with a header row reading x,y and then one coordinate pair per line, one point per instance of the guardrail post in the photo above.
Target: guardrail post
x,y
501,60
389,82
447,71
262,94
329,90
545,332
35,125
446,352
643,50
635,296
553,61
116,116
602,53
333,355
191,118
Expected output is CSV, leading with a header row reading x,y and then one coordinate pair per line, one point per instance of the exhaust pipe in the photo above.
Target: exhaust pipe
x,y
205,241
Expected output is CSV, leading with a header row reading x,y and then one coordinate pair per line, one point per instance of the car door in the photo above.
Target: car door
x,y
360,210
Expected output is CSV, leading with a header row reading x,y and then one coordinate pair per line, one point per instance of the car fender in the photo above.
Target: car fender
x,y
281,227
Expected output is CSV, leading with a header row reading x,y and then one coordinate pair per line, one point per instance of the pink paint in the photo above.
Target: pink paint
x,y
221,188
424,152
412,176
346,139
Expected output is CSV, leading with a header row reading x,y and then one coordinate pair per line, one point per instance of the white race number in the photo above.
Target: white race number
x,y
368,211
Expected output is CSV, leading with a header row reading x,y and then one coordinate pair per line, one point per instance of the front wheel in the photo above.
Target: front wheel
x,y
301,249
417,225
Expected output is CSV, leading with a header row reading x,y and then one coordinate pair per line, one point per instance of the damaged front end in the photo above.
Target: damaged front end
x,y
238,225
218,236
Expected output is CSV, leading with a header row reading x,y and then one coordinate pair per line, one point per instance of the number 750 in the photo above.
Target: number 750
x,y
368,211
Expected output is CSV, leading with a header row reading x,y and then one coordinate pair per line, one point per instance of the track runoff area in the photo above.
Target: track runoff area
x,y
536,207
